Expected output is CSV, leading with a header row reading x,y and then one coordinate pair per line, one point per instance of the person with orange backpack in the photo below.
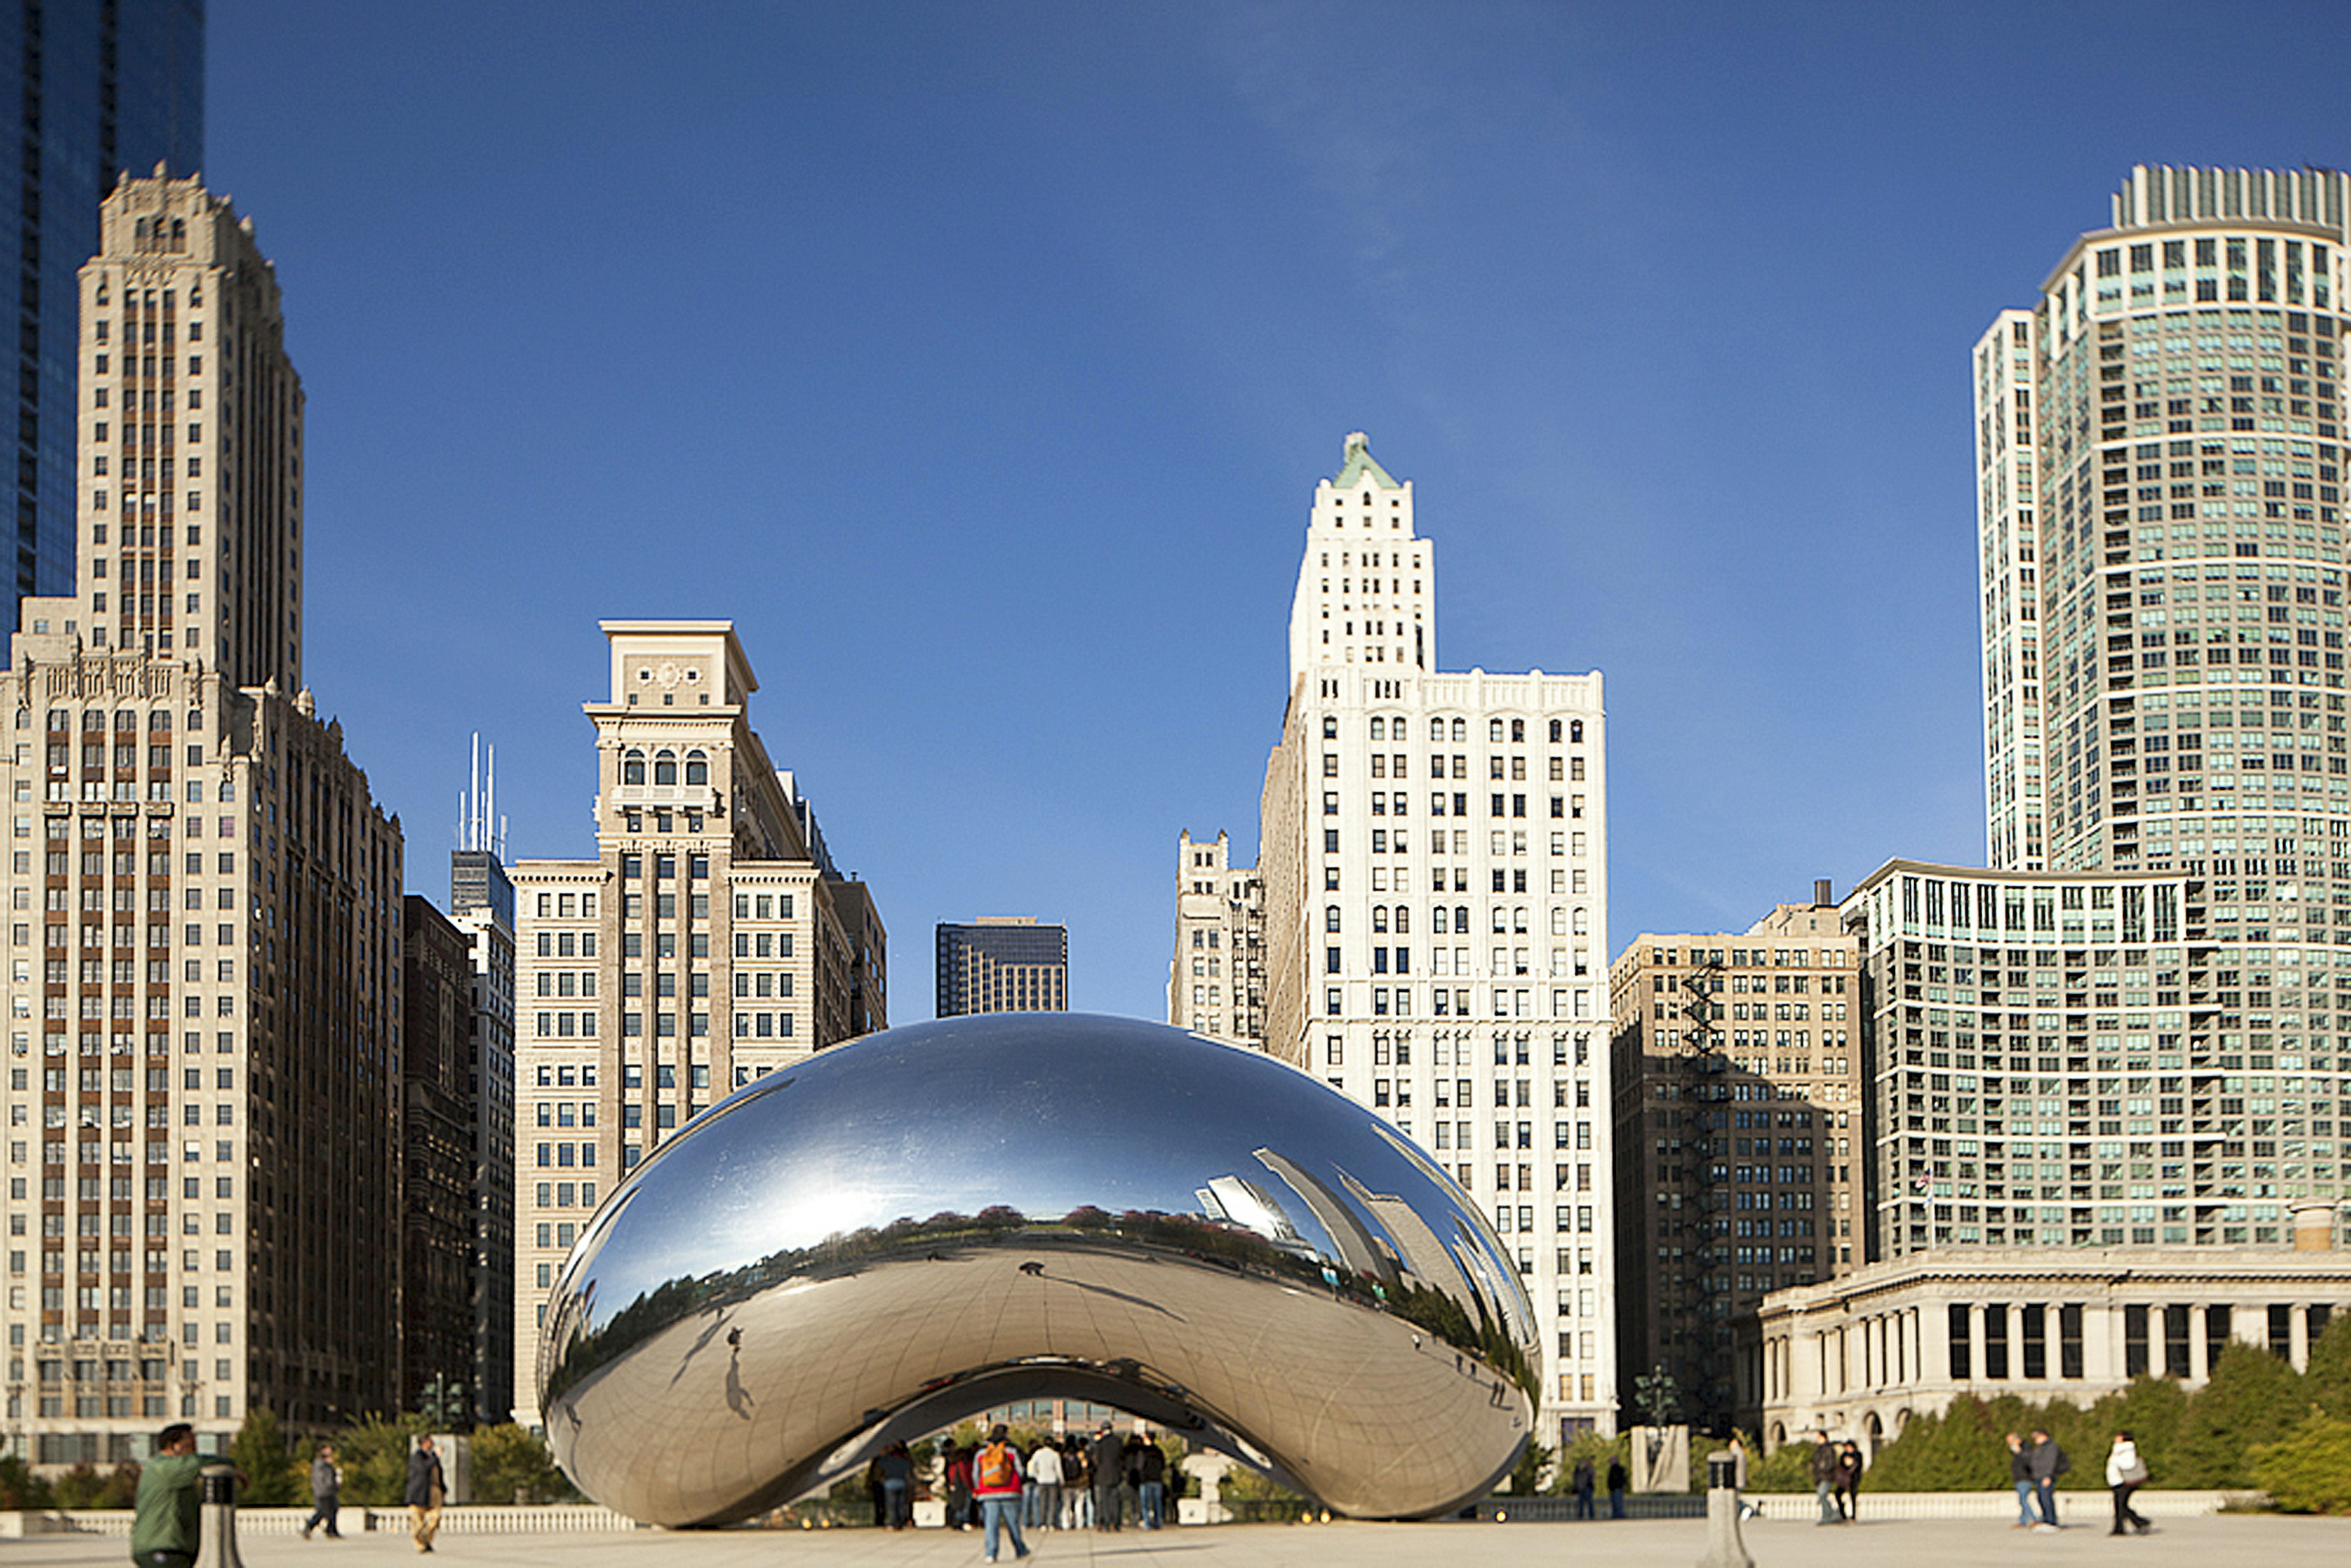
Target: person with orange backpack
x,y
996,1478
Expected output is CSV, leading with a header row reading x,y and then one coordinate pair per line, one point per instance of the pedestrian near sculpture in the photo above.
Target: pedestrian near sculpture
x,y
426,1492
1151,1465
1617,1479
1824,1479
1106,1461
2019,1476
2125,1473
995,1482
2048,1462
1580,1480
897,1468
326,1493
168,1523
1045,1471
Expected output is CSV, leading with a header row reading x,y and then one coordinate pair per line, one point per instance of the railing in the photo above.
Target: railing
x,y
545,1519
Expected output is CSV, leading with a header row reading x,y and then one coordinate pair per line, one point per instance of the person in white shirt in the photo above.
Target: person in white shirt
x,y
2125,1473
1045,1471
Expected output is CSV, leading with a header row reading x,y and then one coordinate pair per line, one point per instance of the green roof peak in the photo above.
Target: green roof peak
x,y
1361,462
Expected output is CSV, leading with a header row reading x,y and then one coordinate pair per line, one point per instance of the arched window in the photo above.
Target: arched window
x,y
1501,920
1582,923
1494,730
1404,921
1461,729
1380,917
1439,914
697,768
1330,726
664,768
1559,922
1518,918
1437,729
1575,732
1330,918
1518,732
1554,732
1461,917
632,768
1379,729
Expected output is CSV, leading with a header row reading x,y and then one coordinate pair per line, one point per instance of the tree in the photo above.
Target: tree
x,y
510,1465
21,1488
1525,1479
1962,1449
2251,1396
86,1486
2327,1379
2309,1470
273,1476
374,1456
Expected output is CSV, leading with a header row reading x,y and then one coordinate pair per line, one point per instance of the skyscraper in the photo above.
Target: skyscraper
x,y
205,979
1002,963
1434,852
2158,485
98,89
705,945
482,905
1215,982
1738,1112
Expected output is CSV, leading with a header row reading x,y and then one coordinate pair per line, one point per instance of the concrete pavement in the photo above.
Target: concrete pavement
x,y
2274,1542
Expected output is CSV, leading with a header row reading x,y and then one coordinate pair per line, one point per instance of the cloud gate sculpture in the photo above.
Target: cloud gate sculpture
x,y
910,1230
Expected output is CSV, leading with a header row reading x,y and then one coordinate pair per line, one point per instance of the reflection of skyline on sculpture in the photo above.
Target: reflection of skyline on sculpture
x,y
1183,1217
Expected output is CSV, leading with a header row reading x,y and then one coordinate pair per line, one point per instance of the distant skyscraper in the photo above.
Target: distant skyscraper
x,y
1434,850
98,89
1738,1112
1003,964
2158,485
709,942
482,905
437,1120
1215,982
207,986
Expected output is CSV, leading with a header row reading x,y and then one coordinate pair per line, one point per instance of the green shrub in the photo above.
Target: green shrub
x,y
2251,1397
273,1477
2327,1379
2309,1469
21,1488
512,1466
1787,1468
374,1456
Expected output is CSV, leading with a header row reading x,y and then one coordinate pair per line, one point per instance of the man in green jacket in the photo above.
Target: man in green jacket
x,y
169,1521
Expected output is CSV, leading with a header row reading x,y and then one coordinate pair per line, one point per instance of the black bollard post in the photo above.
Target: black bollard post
x,y
1725,1547
219,1548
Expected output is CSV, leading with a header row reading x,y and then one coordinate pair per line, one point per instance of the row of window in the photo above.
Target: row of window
x,y
1568,731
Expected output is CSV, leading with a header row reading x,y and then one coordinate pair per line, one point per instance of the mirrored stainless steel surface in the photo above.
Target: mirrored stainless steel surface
x,y
911,1228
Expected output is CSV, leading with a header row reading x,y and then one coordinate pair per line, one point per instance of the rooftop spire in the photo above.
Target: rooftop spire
x,y
1360,461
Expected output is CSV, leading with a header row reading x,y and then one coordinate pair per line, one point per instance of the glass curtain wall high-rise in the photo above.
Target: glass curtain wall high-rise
x,y
93,89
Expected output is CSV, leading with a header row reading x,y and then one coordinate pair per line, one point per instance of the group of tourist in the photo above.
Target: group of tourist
x,y
2033,1467
1076,1484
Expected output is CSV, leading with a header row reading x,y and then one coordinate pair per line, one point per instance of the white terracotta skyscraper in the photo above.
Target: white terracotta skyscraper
x,y
1433,848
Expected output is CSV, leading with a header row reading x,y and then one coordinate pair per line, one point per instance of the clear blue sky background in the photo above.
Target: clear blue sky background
x,y
980,360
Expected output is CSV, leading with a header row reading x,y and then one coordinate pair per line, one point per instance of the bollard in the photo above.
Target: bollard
x,y
1725,1547
219,1547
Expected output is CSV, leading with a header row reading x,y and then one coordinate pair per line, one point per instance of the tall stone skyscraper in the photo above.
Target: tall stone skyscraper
x,y
709,942
1434,849
482,905
98,89
1215,982
204,929
2159,455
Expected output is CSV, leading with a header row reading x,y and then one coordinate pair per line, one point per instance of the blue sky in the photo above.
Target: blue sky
x,y
979,361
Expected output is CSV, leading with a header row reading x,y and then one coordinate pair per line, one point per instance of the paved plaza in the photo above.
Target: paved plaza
x,y
2274,1542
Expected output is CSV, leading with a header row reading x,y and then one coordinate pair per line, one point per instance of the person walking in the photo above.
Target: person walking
x,y
897,1468
995,1482
1045,1472
1151,1467
1848,1481
2019,1476
2125,1473
426,1492
1617,1479
1580,1480
168,1523
1824,1479
1106,1463
326,1493
2048,1462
